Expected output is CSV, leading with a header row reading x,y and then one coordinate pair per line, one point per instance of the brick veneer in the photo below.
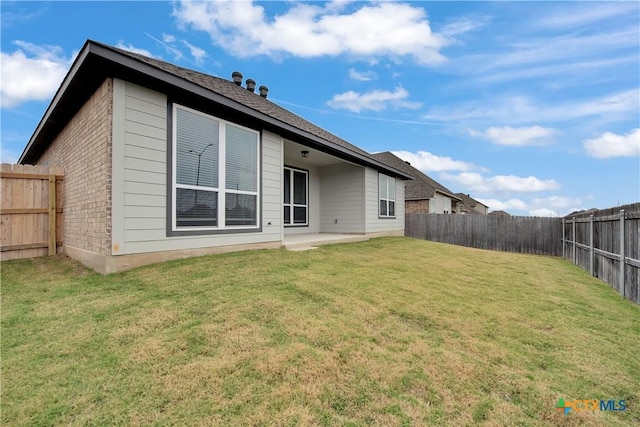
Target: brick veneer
x,y
83,149
416,206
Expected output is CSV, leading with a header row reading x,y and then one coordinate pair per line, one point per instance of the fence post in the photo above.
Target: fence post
x,y
575,261
52,215
591,254
563,238
622,255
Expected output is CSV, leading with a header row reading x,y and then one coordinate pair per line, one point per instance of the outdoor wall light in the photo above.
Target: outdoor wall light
x,y
304,154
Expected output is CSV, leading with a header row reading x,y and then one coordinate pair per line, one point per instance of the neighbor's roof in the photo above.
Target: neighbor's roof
x,y
422,186
470,202
97,61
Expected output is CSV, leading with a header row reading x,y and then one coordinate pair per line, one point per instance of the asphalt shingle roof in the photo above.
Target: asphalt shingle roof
x,y
229,89
422,186
469,203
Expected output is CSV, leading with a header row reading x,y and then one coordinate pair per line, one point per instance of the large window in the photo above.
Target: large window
x,y
215,173
387,196
296,205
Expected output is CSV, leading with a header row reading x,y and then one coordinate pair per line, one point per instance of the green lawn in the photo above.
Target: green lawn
x,y
387,332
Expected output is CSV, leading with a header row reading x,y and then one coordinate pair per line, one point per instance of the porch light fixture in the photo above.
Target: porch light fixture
x,y
304,154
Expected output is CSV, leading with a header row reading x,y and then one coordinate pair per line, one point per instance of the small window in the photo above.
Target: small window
x,y
387,196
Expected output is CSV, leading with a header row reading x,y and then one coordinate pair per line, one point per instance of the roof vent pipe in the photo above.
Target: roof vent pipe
x,y
251,85
237,77
264,91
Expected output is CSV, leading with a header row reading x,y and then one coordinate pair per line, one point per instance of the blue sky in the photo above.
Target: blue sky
x,y
531,107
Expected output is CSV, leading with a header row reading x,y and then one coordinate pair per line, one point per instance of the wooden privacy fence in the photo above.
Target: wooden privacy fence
x,y
529,235
31,211
607,245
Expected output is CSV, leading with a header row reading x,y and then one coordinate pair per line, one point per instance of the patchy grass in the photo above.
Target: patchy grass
x,y
387,332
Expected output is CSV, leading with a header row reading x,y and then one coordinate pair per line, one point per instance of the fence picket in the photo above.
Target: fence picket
x,y
30,211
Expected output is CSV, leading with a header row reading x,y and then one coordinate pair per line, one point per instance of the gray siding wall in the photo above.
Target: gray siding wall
x,y
342,199
140,175
373,223
314,198
440,203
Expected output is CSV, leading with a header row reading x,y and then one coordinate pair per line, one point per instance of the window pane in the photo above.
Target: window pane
x,y
287,186
383,208
240,209
299,188
195,208
242,159
392,188
299,215
383,190
392,208
287,214
196,149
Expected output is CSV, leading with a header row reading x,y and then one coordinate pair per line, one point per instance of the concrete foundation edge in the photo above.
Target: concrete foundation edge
x,y
105,264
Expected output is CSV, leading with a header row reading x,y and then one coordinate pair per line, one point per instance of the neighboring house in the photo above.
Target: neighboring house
x,y
499,213
162,162
469,205
422,194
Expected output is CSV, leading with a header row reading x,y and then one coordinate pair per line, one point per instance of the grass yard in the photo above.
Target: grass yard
x,y
392,332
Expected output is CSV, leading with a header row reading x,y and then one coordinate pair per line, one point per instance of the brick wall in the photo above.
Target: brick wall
x,y
83,149
416,206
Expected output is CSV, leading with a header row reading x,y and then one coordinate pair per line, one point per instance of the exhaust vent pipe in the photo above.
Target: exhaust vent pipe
x,y
264,91
251,85
236,76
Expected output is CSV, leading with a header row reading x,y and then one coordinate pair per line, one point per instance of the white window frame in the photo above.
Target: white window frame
x,y
291,205
221,189
391,182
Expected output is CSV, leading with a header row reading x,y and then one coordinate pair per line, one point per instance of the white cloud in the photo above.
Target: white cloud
x,y
31,73
464,25
576,14
559,202
376,100
613,145
427,162
167,43
498,205
372,30
507,135
197,53
362,76
521,109
481,184
168,38
551,206
132,48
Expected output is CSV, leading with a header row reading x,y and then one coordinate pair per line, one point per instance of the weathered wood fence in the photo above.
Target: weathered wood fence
x,y
31,211
607,245
529,235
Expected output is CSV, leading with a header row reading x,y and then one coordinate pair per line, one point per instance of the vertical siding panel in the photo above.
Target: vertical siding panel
x,y
341,199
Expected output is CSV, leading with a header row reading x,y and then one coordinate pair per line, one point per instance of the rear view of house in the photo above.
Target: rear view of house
x,y
163,162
